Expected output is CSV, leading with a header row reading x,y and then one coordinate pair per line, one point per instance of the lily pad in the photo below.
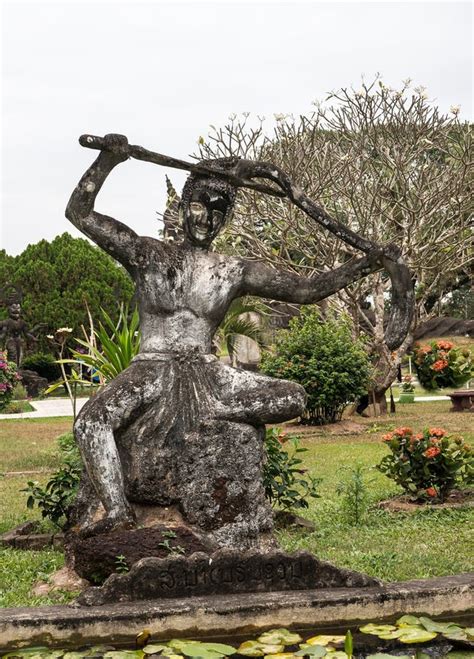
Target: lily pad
x,y
407,621
257,649
457,634
280,655
442,627
280,637
221,648
382,655
415,635
177,643
313,651
325,639
376,629
155,648
118,654
196,649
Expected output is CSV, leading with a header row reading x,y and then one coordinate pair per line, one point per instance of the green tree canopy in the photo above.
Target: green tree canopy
x,y
57,278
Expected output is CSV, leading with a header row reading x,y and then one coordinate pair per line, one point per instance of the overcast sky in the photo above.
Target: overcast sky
x,y
160,73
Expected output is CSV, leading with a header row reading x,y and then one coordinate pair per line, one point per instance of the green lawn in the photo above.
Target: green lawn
x,y
392,546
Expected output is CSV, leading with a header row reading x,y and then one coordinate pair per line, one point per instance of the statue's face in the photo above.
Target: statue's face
x,y
204,215
14,311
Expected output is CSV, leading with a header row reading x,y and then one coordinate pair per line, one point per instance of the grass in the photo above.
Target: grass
x,y
391,546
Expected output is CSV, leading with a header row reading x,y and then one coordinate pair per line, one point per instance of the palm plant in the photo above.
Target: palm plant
x,y
237,324
119,344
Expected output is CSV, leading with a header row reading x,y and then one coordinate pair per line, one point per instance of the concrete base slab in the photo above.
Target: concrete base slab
x,y
231,615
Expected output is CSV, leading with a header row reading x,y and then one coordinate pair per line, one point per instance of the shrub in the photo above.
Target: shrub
x,y
286,482
440,364
55,499
44,364
8,379
324,357
429,464
19,392
354,495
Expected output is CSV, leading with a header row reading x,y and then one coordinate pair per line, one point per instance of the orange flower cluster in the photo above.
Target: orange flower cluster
x,y
424,350
445,345
437,432
431,492
432,452
439,365
404,430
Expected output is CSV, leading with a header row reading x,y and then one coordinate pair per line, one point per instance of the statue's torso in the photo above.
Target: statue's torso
x,y
183,294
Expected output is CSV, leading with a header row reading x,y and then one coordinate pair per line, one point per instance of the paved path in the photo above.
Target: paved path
x,y
48,407
62,407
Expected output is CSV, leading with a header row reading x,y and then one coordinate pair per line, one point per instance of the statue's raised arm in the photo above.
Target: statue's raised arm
x,y
113,236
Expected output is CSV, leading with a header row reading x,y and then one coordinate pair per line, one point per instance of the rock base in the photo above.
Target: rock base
x,y
97,557
221,573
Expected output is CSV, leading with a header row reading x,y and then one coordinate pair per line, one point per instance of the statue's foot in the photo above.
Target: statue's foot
x,y
122,520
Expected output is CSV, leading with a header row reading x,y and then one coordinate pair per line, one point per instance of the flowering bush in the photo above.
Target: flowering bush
x,y
8,378
407,384
440,364
323,356
429,464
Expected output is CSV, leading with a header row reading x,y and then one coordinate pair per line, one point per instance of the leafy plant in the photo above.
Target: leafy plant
x,y
55,499
440,364
111,347
237,323
8,379
407,384
355,496
121,564
286,482
429,464
323,356
171,549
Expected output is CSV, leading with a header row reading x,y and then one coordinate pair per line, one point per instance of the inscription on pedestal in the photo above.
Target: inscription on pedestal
x,y
223,572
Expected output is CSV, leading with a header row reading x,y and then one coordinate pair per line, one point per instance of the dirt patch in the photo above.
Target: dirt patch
x,y
403,503
344,427
97,557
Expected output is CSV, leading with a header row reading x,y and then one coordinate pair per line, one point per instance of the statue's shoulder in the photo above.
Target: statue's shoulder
x,y
149,248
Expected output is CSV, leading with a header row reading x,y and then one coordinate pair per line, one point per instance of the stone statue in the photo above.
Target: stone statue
x,y
14,332
178,427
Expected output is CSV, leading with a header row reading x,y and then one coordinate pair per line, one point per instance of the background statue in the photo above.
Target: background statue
x,y
14,332
178,427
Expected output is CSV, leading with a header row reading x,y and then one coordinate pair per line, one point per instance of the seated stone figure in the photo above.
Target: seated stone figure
x,y
179,427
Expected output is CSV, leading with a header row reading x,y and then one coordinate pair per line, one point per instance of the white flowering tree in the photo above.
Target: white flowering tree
x,y
385,162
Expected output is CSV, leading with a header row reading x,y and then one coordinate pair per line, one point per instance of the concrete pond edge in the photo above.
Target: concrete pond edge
x,y
233,615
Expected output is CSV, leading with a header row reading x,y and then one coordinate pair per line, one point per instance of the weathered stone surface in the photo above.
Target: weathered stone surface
x,y
63,579
233,615
223,572
24,536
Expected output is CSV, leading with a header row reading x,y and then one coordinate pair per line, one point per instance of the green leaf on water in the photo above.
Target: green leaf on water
x,y
325,639
376,629
279,637
121,654
155,649
409,621
433,626
257,649
416,636
382,655
221,648
312,651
